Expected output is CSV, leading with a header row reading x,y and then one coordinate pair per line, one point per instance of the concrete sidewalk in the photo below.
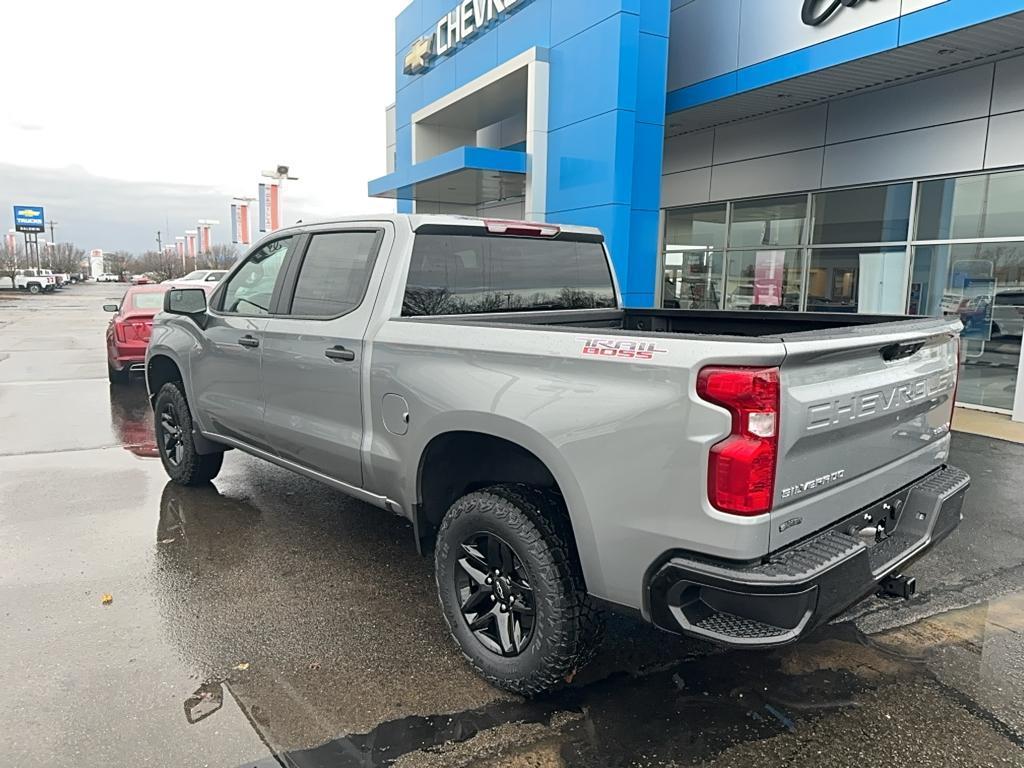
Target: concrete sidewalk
x,y
986,424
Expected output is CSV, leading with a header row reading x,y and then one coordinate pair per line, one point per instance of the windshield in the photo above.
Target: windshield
x,y
198,275
464,274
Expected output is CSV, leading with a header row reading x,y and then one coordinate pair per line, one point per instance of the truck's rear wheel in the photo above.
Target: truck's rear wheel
x,y
34,288
512,590
174,439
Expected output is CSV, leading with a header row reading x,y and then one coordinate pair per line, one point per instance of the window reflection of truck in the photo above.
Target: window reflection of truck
x,y
1008,314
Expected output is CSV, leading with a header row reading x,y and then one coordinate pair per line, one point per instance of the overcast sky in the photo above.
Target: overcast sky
x,y
123,118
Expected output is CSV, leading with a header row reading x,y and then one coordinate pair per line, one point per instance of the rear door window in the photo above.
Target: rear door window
x,y
469,274
334,273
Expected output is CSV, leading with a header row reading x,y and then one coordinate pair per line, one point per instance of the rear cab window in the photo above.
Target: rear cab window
x,y
457,274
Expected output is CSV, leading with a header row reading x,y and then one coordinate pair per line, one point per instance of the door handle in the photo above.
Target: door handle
x,y
340,353
249,341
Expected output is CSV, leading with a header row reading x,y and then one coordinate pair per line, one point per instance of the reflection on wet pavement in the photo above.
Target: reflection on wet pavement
x,y
714,710
688,711
132,420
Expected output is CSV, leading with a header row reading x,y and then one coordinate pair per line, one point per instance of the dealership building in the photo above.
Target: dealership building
x,y
815,155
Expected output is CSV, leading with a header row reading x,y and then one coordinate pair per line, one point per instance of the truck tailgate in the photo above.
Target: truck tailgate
x,y
865,411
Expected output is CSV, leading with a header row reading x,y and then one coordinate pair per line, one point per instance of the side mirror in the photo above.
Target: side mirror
x,y
110,307
190,302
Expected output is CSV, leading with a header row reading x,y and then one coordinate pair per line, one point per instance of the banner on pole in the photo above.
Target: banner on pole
x,y
275,207
243,216
263,207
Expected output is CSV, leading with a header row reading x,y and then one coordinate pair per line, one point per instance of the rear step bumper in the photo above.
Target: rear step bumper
x,y
757,605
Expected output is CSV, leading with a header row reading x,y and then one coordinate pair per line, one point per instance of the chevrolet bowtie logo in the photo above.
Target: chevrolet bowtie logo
x,y
420,54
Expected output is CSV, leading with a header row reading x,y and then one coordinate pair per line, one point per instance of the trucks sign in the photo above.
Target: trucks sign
x,y
29,218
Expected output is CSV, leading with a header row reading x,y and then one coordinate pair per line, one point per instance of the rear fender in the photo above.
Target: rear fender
x,y
537,444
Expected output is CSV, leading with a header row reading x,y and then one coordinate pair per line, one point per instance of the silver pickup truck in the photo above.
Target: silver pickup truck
x,y
739,477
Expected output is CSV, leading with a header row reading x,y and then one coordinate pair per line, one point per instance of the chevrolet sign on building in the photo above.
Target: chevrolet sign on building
x,y
460,25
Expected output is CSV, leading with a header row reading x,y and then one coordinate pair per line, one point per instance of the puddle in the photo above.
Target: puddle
x,y
683,714
707,706
131,419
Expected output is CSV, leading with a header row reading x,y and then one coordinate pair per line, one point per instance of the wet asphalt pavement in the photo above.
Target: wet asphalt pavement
x,y
270,621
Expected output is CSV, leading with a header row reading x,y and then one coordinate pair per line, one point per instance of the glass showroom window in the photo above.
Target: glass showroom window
x,y
763,279
764,264
692,278
972,207
866,277
864,280
981,281
984,284
763,223
863,215
704,225
692,269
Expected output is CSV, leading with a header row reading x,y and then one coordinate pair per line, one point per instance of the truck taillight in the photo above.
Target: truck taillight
x,y
741,468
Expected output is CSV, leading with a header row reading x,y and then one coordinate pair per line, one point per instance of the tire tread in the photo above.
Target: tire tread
x,y
196,469
538,520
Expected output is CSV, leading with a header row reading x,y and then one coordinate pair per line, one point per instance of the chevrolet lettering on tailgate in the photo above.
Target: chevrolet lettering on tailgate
x,y
867,404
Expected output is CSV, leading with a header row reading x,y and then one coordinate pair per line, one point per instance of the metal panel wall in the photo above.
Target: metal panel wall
x,y
931,127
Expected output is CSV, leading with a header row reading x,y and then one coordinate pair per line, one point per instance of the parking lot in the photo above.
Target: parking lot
x,y
268,620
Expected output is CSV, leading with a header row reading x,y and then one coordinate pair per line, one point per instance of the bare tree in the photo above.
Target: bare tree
x,y
118,262
66,257
159,265
11,260
220,256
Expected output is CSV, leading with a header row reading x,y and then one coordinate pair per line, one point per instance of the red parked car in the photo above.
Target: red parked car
x,y
129,329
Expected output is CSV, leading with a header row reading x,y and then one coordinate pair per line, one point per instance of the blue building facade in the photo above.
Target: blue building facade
x,y
792,154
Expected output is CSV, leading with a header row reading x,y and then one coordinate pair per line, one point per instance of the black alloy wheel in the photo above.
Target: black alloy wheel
x,y
171,435
174,436
497,602
511,588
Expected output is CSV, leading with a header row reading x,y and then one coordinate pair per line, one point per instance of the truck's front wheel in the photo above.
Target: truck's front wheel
x,y
182,462
512,590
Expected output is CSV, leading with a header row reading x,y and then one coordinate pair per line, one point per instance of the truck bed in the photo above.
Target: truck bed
x,y
753,325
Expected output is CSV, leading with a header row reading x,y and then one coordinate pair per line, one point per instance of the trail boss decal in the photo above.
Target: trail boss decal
x,y
621,350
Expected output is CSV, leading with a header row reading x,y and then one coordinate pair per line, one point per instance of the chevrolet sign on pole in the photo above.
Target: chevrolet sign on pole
x,y
455,28
29,218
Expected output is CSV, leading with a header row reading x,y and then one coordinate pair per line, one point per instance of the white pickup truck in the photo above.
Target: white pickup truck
x,y
34,281
740,477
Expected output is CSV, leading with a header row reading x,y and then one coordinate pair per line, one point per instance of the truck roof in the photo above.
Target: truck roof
x,y
416,220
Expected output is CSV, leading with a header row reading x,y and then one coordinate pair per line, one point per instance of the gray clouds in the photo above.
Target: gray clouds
x,y
95,212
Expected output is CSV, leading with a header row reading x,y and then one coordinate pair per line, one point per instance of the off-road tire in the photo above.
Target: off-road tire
x,y
567,627
194,468
116,376
35,289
